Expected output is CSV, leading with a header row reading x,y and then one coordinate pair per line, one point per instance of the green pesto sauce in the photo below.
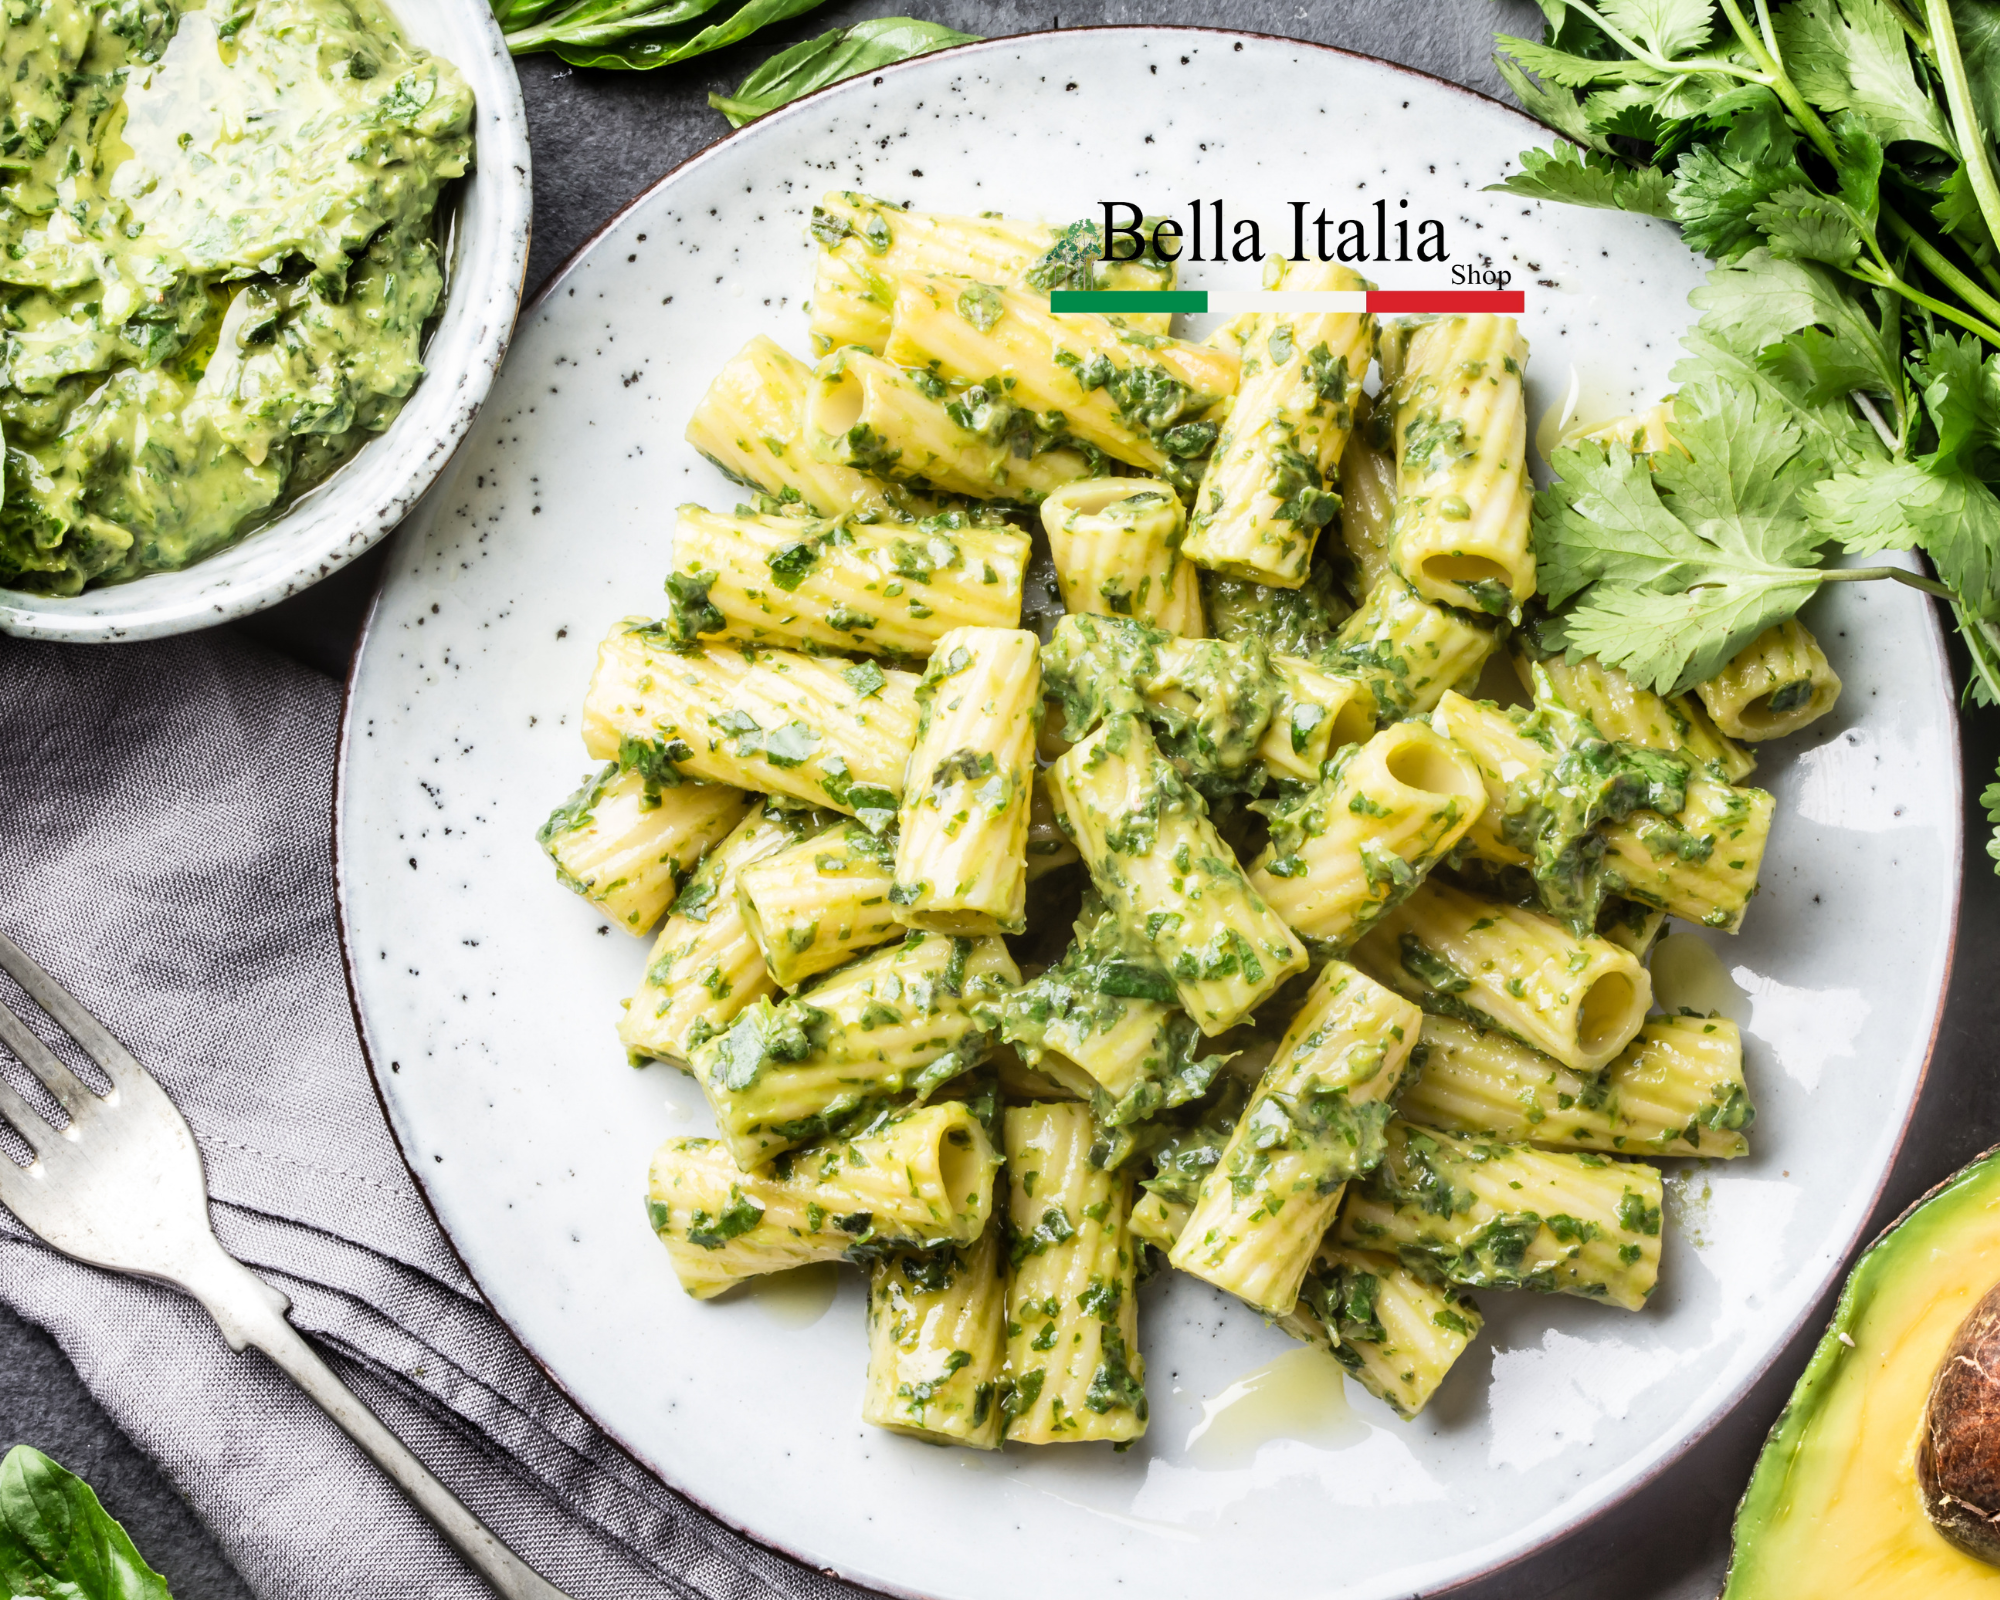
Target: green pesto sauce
x,y
217,259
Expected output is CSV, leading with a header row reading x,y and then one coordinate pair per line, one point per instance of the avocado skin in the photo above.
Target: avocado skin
x,y
1958,1453
1828,1514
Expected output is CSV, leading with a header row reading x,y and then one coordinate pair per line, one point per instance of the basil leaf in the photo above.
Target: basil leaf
x,y
845,52
57,1541
636,34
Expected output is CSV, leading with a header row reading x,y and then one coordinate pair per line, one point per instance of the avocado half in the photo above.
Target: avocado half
x,y
1833,1508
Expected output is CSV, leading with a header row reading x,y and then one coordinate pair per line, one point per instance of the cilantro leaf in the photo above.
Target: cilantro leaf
x,y
1718,186
1671,642
1687,561
1805,225
1761,301
1852,55
1868,511
1588,178
1558,107
1833,430
1666,27
1570,71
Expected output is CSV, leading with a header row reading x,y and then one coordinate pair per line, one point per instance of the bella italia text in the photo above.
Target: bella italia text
x,y
1381,233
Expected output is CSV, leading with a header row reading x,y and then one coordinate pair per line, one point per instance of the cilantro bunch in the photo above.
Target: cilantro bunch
x,y
1841,391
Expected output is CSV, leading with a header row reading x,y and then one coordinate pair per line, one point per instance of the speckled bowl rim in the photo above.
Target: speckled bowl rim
x,y
1939,662
372,494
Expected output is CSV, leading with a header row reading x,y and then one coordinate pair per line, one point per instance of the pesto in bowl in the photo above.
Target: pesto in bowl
x,y
217,260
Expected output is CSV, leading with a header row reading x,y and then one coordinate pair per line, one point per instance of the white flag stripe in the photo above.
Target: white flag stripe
x,y
1233,300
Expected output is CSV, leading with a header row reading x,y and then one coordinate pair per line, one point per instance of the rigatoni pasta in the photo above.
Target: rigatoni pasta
x,y
1460,536
880,741
1074,1372
1269,488
705,965
937,1343
892,588
1492,1216
815,904
922,1180
1314,1122
626,842
1676,1089
1144,402
1156,859
962,853
971,439
823,732
751,424
1347,850
1776,684
891,1026
1394,1330
1117,549
1578,999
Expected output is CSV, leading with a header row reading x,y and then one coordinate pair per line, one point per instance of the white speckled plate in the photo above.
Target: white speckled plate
x,y
488,993
358,505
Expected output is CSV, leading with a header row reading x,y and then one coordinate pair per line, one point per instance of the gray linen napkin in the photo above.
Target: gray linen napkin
x,y
165,826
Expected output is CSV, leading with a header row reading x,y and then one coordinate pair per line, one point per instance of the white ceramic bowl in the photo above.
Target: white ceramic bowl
x,y
329,527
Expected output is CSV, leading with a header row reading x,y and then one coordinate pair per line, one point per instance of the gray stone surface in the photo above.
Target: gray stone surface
x,y
599,138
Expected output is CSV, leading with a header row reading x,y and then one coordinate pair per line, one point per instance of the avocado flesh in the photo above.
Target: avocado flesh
x,y
1832,1509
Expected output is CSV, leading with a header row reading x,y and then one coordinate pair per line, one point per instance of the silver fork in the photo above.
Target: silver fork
x,y
122,1187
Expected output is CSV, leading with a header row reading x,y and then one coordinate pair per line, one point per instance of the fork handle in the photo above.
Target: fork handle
x,y
250,1312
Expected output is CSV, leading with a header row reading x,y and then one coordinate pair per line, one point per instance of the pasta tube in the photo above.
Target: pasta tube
x,y
890,1026
885,587
816,903
1498,966
1675,1090
1315,1122
1345,851
1408,651
825,732
877,418
1269,486
1462,493
937,1343
923,1180
1368,492
1317,712
751,423
1505,1216
962,860
704,967
1394,1332
1117,549
1216,705
1776,684
1572,809
1102,1021
863,240
627,844
1619,709
1155,857
1074,1371
1142,400
1700,864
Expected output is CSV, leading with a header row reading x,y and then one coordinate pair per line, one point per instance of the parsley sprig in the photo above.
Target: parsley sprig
x,y
1841,391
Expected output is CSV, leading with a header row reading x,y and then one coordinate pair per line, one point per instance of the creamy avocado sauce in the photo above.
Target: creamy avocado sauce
x,y
217,257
